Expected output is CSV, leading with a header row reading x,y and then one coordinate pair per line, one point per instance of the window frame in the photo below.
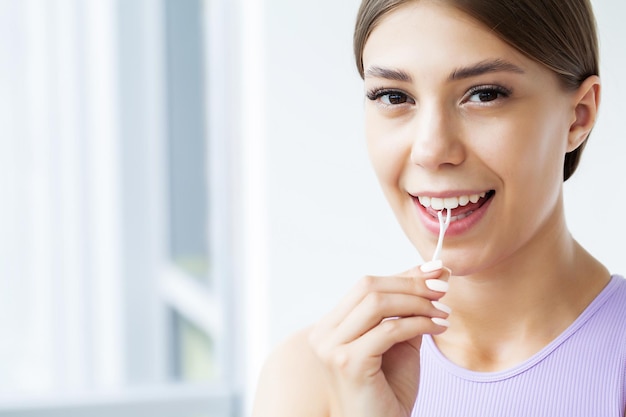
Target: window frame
x,y
210,308
162,401
207,307
138,172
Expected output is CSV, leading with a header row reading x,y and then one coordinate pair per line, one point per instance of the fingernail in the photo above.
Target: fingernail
x,y
440,322
442,307
437,285
432,266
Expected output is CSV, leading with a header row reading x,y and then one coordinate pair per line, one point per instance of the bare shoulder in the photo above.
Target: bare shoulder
x,y
292,382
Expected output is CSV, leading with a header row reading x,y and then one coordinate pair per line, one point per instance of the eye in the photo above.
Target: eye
x,y
390,97
487,93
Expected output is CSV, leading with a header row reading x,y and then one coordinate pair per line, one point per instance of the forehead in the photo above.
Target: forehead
x,y
430,35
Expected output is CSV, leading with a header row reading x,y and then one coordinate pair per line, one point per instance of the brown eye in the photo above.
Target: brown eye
x,y
394,98
486,94
390,98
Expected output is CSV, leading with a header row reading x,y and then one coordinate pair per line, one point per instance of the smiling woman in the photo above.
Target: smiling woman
x,y
454,108
481,109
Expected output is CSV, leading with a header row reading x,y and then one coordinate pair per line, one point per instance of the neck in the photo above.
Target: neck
x,y
513,309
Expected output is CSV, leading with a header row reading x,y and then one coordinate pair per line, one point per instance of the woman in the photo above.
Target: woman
x,y
481,108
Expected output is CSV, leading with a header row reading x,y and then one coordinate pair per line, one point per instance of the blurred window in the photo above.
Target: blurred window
x,y
115,231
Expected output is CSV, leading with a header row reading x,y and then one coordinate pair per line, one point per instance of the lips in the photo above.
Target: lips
x,y
461,206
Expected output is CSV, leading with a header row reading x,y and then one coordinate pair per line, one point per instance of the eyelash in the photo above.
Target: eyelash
x,y
376,94
502,92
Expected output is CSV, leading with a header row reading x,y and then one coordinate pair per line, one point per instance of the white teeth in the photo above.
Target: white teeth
x,y
449,202
437,203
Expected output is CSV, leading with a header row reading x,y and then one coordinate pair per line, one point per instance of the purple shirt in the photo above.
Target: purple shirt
x,y
580,373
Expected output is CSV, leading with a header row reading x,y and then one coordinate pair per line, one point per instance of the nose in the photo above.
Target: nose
x,y
437,139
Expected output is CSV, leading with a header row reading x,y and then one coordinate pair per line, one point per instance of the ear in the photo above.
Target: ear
x,y
586,104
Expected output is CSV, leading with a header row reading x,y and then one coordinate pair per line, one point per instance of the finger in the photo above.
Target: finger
x,y
376,307
363,357
435,267
410,282
390,332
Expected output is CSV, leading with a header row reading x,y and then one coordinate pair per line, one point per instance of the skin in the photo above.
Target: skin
x,y
519,278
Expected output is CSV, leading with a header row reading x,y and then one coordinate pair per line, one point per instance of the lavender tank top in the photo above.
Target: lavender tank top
x,y
580,373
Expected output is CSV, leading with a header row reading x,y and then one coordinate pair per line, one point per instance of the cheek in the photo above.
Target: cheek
x,y
525,149
528,159
540,152
387,152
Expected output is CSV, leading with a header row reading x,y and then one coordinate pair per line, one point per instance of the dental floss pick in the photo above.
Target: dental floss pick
x,y
443,226
435,263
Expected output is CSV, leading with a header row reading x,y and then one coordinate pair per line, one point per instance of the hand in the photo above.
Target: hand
x,y
370,343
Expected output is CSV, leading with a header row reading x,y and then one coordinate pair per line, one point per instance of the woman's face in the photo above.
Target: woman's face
x,y
456,117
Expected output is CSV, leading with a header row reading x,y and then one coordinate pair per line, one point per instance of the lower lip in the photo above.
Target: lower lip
x,y
456,227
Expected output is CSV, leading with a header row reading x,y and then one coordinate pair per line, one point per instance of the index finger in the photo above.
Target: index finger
x,y
410,282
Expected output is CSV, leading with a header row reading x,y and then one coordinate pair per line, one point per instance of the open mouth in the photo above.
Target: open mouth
x,y
461,206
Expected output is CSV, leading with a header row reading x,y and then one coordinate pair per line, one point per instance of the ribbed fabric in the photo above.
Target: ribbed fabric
x,y
582,373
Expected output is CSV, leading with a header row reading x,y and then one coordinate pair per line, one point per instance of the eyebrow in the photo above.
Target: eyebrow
x,y
483,67
388,74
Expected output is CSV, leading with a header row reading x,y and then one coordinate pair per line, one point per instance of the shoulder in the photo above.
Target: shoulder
x,y
292,381
617,305
605,330
607,313
616,298
620,283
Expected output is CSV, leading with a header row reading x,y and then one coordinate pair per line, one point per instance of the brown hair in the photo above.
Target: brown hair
x,y
560,34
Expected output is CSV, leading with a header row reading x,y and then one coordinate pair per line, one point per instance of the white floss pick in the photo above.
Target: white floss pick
x,y
443,226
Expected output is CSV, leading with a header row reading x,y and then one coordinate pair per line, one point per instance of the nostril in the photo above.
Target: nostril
x,y
436,156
